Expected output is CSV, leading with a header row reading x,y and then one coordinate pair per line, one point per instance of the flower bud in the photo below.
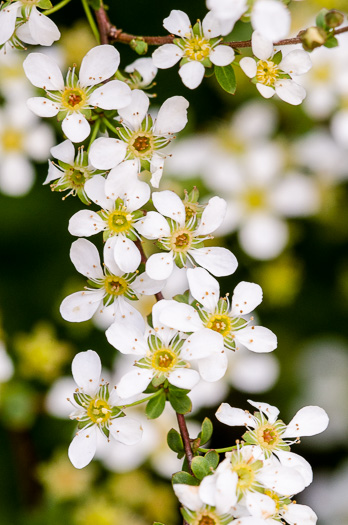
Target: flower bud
x,y
312,37
139,46
334,18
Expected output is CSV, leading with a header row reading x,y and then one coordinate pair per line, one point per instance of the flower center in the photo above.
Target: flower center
x,y
267,72
141,144
275,498
115,285
74,99
267,437
220,323
11,140
98,411
246,476
77,177
206,519
197,48
254,199
164,359
119,221
181,240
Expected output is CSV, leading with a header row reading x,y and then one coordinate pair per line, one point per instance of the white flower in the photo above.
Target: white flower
x,y
108,286
73,100
270,434
217,315
182,235
164,354
142,72
272,76
95,409
141,137
21,20
6,365
120,197
72,173
197,46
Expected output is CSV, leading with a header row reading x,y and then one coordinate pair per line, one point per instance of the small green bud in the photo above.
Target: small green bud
x,y
139,46
313,37
334,18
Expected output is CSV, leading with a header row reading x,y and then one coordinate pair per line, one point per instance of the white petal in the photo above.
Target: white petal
x,y
202,344
83,446
43,72
211,26
296,513
246,297
76,127
265,91
126,430
262,47
222,55
85,223
17,175
226,490
86,370
296,196
122,182
218,261
289,91
188,496
257,338
127,255
156,168
234,416
136,111
308,421
204,288
42,29
8,21
192,74
166,56
181,316
64,151
95,189
212,216
100,63
160,265
146,286
248,65
269,410
271,18
289,459
172,116
170,205
213,367
43,107
184,378
283,480
145,67
126,313
125,340
164,332
106,153
263,236
81,306
260,505
24,34
153,226
207,490
178,23
296,62
112,95
109,259
85,257
135,382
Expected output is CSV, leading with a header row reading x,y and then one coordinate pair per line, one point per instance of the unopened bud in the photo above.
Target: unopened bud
x,y
334,18
313,37
139,46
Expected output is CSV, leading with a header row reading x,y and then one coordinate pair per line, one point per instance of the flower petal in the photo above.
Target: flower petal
x,y
234,416
221,55
184,378
8,16
212,216
134,382
271,18
146,286
136,111
218,261
257,338
289,459
153,226
308,421
296,62
192,74
203,287
100,63
213,367
248,65
202,343
188,496
211,26
181,316
76,127
85,223
42,107
64,151
106,153
42,29
178,23
83,447
160,265
43,72
127,255
296,513
172,116
112,95
126,430
170,205
289,91
86,370
125,340
270,411
246,297
166,56
85,257
262,47
81,306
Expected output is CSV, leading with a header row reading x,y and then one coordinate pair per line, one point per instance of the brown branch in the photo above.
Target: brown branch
x,y
186,439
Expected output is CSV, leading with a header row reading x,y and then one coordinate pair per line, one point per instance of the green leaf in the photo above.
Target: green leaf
x,y
44,4
182,298
320,19
95,4
184,478
331,42
206,432
200,467
139,46
157,523
174,441
212,457
156,405
277,57
181,403
226,78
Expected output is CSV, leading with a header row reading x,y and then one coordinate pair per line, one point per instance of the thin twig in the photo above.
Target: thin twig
x,y
186,439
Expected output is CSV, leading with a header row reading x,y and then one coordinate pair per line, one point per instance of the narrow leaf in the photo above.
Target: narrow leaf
x,y
226,78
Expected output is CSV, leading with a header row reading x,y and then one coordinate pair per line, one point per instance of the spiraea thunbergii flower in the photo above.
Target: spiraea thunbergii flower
x,y
73,100
95,409
197,47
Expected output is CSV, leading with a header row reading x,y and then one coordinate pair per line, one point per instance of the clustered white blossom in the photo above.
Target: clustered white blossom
x,y
188,336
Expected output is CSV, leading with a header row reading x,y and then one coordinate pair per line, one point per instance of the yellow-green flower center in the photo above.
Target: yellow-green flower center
x,y
219,323
120,221
254,199
246,476
197,48
267,436
74,99
164,360
11,140
98,411
275,498
77,177
267,72
206,518
141,144
181,240
115,285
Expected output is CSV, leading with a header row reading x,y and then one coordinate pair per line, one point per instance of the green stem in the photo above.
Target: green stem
x,y
91,20
94,134
218,450
110,126
142,400
56,7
